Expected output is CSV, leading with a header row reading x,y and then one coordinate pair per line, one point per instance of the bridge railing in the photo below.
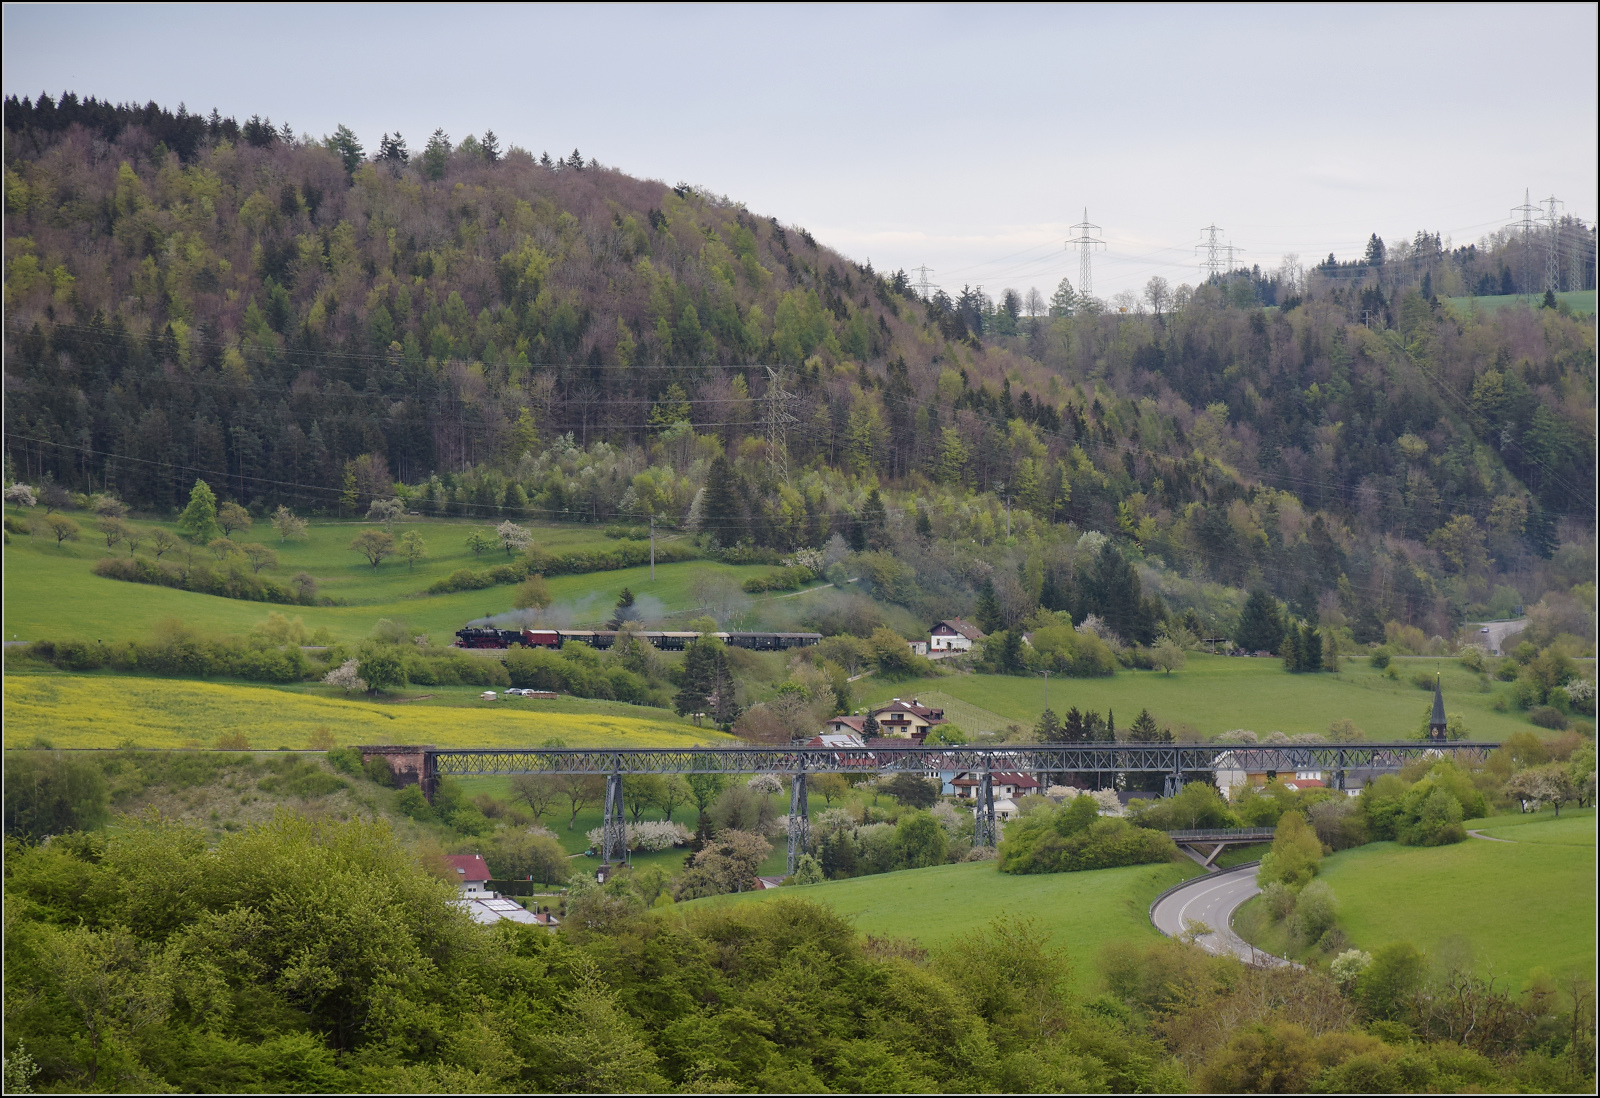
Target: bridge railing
x,y
1173,759
1222,834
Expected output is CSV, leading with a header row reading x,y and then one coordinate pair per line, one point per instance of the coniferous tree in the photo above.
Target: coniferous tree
x,y
723,699
924,525
490,146
988,611
1011,658
1111,725
874,520
1290,646
698,678
1072,730
1310,648
1144,728
624,610
1049,727
721,514
1260,626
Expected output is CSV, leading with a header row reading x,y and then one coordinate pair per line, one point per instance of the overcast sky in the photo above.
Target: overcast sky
x,y
968,138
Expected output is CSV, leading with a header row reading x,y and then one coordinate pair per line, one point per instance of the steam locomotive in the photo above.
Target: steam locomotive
x,y
605,638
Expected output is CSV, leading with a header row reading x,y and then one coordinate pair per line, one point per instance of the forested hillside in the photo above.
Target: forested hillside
x,y
486,332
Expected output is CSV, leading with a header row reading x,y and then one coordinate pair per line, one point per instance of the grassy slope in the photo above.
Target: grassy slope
x,y
1580,301
102,711
1522,906
1214,694
51,592
1574,827
1082,911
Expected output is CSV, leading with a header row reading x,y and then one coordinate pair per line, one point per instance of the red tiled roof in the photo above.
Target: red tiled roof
x,y
1021,781
469,867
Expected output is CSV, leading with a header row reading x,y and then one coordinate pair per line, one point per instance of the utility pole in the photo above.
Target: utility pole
x,y
1552,266
1230,249
1046,675
1211,265
923,287
652,548
1528,211
1086,241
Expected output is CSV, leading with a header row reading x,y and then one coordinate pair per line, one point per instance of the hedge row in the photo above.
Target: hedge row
x,y
234,581
627,554
185,657
783,579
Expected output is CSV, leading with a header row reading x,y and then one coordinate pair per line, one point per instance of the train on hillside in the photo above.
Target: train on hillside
x,y
605,638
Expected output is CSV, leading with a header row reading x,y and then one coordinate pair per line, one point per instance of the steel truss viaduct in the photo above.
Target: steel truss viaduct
x,y
1177,762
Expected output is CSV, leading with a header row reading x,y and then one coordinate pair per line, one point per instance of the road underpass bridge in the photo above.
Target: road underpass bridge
x,y
424,765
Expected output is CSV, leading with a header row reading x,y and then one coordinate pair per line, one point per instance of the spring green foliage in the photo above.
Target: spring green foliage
x,y
1071,837
51,793
1427,812
1296,854
198,523
118,936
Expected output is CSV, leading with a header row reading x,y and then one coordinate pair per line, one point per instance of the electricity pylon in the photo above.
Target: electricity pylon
x,y
1552,265
1086,244
1211,265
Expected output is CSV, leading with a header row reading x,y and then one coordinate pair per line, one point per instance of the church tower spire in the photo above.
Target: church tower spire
x,y
1436,722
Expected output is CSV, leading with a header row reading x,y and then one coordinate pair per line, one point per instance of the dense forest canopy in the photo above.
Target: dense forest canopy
x,y
486,332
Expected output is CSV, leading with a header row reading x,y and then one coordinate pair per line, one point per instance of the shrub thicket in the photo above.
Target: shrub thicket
x,y
1073,836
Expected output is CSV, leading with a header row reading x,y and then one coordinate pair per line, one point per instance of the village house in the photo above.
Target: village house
x,y
1007,787
471,874
843,726
487,907
953,635
906,719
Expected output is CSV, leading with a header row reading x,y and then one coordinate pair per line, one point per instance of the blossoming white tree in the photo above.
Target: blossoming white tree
x,y
345,675
513,538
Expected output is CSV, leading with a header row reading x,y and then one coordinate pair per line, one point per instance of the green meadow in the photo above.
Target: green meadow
x,y
52,592
1216,694
1579,301
1082,911
1513,907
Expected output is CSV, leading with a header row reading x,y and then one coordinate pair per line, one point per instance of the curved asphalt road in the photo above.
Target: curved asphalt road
x,y
1212,900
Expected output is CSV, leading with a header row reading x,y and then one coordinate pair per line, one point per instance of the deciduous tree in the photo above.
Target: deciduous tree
x,y
198,523
231,517
375,545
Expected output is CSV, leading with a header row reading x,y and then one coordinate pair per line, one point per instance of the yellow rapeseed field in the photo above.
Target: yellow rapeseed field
x,y
85,711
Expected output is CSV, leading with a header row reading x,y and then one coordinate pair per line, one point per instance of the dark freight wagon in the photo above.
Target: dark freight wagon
x,y
667,641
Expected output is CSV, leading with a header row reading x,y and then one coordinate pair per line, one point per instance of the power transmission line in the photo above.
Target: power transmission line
x,y
923,287
1086,242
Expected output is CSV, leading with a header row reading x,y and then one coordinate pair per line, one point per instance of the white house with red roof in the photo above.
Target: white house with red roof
x,y
471,874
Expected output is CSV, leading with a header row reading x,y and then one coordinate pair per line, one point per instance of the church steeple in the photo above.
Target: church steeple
x,y
1436,723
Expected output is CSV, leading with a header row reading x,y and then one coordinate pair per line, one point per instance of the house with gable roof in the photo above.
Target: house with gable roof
x,y
953,635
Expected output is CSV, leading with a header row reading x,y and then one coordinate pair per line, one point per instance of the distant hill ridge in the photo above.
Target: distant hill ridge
x,y
310,323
